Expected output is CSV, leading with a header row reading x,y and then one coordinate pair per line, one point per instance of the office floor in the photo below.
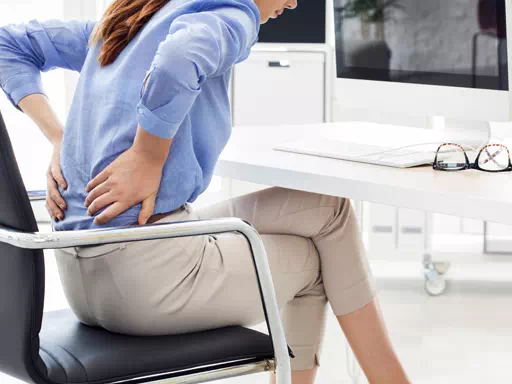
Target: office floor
x,y
461,337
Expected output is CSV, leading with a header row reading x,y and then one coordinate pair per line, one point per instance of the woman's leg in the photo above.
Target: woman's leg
x,y
304,311
231,295
295,265
366,332
299,377
330,223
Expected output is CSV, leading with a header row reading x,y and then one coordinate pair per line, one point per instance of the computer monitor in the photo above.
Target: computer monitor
x,y
447,60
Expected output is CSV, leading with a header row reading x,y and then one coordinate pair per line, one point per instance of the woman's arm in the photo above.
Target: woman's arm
x,y
133,177
28,49
37,107
143,162
150,145
199,45
147,146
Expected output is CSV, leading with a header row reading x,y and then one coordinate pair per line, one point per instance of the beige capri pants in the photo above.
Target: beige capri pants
x,y
170,286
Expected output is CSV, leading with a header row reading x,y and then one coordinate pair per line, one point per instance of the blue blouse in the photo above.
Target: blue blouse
x,y
188,47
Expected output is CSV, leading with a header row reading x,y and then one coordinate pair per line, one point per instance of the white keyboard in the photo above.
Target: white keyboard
x,y
323,147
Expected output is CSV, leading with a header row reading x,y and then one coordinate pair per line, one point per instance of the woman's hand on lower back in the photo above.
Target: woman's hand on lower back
x,y
55,204
132,178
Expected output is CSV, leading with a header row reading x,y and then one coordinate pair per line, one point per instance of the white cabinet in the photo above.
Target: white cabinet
x,y
281,87
472,226
280,84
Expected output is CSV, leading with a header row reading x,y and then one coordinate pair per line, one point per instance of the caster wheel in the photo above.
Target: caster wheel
x,y
441,267
435,287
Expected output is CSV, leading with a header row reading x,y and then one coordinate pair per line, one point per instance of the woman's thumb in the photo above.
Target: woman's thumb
x,y
148,207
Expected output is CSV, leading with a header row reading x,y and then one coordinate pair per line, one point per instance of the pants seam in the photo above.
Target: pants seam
x,y
89,311
301,211
311,363
285,273
356,283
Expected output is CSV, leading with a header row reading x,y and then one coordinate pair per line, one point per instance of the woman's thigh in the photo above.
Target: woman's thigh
x,y
280,211
226,290
221,290
133,287
329,222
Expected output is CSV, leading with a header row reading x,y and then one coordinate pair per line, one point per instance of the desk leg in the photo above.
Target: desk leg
x,y
435,282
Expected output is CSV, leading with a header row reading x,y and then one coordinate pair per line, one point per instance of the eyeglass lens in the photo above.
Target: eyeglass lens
x,y
451,157
494,157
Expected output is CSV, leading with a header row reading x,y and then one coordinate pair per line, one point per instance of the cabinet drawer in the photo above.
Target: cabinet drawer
x,y
411,227
272,88
498,238
381,225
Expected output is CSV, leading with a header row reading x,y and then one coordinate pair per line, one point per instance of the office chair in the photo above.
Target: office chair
x,y
55,347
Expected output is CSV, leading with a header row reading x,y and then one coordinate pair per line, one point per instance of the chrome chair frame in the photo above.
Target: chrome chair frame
x,y
281,363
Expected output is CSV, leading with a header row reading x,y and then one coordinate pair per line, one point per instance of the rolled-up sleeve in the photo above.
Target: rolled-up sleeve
x,y
28,49
198,46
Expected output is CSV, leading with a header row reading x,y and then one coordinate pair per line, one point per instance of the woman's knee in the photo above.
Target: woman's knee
x,y
340,215
314,200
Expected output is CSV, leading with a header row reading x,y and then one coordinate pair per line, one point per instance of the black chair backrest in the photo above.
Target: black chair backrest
x,y
21,275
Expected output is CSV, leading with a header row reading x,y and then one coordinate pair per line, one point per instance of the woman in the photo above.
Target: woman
x,y
148,121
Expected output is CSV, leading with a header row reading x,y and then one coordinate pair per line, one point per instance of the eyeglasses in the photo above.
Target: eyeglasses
x,y
491,158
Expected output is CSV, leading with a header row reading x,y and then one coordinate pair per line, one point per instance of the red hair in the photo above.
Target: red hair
x,y
120,23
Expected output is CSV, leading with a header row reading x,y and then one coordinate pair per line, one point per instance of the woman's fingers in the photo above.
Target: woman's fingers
x,y
57,198
100,202
100,178
57,175
53,193
108,214
96,192
54,211
148,206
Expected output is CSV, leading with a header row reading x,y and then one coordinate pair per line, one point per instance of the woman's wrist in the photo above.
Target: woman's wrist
x,y
37,107
148,156
56,138
153,148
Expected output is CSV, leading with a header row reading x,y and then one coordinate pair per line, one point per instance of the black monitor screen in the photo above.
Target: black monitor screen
x,y
304,24
460,43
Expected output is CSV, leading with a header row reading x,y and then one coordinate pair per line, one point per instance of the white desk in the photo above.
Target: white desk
x,y
472,194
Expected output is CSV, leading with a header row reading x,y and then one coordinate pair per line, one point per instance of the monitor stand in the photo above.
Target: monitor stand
x,y
463,132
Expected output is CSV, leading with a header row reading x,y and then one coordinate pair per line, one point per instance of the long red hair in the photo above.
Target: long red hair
x,y
120,23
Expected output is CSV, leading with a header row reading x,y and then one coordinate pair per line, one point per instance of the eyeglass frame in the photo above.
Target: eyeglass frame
x,y
474,165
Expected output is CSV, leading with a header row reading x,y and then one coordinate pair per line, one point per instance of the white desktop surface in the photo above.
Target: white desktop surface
x,y
472,194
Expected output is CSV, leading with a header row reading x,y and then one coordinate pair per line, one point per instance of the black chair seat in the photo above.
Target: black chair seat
x,y
76,353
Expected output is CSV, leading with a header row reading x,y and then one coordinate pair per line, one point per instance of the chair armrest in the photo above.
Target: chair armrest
x,y
63,239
